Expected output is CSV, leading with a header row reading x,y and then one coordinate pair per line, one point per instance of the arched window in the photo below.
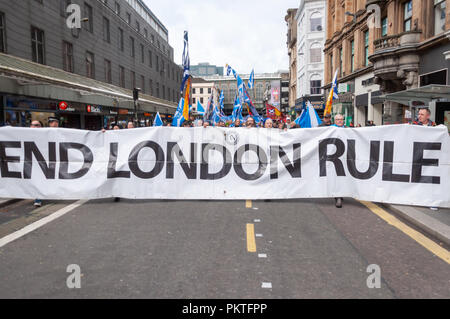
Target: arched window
x,y
315,84
316,21
315,53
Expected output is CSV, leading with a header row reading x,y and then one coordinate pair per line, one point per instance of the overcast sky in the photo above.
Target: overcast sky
x,y
243,33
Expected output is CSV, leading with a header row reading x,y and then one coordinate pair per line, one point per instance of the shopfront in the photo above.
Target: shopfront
x,y
21,110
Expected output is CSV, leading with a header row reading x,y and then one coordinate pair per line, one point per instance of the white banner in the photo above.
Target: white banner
x,y
399,164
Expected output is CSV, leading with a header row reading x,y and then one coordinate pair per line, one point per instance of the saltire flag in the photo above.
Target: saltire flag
x,y
158,121
251,107
237,111
186,62
309,117
230,70
251,81
178,117
333,95
200,108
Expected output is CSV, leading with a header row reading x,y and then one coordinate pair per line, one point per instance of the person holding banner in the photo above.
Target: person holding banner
x,y
326,120
339,120
268,123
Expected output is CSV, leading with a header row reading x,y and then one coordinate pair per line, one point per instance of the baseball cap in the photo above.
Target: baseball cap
x,y
52,119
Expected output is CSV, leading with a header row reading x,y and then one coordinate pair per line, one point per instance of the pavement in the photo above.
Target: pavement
x,y
204,249
433,222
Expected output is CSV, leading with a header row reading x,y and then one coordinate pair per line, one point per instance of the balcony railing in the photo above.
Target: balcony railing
x,y
387,42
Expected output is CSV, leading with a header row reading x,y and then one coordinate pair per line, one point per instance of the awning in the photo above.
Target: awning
x,y
419,96
23,77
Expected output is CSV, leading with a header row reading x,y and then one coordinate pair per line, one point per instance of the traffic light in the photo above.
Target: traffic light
x,y
136,94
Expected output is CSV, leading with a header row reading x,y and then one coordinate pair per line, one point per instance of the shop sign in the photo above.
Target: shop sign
x,y
343,88
123,111
93,109
62,105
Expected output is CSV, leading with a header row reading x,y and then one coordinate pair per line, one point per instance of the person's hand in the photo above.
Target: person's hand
x,y
103,130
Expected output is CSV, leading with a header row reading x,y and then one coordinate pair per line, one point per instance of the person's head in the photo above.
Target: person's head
x,y
205,124
327,118
281,125
186,124
116,127
169,124
339,120
424,115
268,123
250,122
288,121
35,124
199,123
53,122
237,123
222,124
130,124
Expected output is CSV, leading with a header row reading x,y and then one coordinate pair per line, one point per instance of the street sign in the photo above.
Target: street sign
x,y
62,105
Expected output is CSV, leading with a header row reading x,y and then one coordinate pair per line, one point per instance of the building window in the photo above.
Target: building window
x,y
164,91
90,65
315,53
316,22
201,90
331,65
138,27
142,54
150,59
157,89
145,33
193,91
67,56
122,76
128,18
201,100
108,78
157,63
384,27
153,38
120,39
366,48
352,60
2,33
88,13
341,58
132,47
193,100
209,90
106,33
143,83
439,16
407,16
133,79
151,87
315,85
37,45
117,8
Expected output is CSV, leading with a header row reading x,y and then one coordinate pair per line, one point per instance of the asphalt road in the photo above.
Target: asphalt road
x,y
200,249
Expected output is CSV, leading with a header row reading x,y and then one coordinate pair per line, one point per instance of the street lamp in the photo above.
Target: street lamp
x,y
135,99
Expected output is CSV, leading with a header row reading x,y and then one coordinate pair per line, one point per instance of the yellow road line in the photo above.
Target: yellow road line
x,y
439,251
251,243
248,204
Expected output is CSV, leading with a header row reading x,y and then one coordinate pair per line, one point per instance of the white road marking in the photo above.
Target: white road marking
x,y
267,285
257,220
258,235
37,224
262,255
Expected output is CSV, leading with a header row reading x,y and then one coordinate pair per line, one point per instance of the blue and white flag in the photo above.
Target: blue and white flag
x,y
251,81
158,121
200,108
309,117
186,62
221,99
178,117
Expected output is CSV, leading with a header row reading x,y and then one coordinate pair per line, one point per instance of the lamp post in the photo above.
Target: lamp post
x,y
135,100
